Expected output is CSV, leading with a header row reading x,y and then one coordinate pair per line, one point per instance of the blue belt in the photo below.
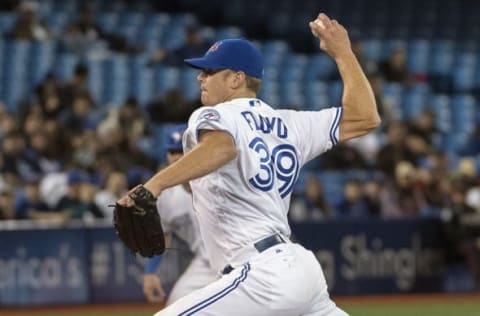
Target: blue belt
x,y
261,246
268,242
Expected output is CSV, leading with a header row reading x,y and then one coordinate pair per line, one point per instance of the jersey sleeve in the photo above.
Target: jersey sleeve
x,y
212,118
164,210
151,264
317,131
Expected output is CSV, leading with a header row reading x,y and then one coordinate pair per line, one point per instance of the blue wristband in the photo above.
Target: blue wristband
x,y
152,264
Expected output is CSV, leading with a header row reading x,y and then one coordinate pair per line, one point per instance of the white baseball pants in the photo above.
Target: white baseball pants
x,y
284,280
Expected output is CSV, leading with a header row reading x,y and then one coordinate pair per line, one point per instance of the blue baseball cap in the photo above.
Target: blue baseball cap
x,y
174,137
236,54
76,176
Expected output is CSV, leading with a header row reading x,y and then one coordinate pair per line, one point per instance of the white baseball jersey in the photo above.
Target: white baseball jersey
x,y
177,215
247,199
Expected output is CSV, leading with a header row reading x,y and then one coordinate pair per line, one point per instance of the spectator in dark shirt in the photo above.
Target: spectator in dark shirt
x,y
312,204
78,85
79,117
27,25
195,45
343,156
395,150
394,69
48,95
79,201
403,196
353,204
7,208
17,164
84,36
30,204
172,107
424,127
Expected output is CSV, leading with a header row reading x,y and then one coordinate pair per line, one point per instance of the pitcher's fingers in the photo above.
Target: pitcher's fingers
x,y
126,201
325,20
154,295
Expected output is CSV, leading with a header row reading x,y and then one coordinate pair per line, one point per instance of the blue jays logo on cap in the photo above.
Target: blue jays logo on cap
x,y
236,54
213,48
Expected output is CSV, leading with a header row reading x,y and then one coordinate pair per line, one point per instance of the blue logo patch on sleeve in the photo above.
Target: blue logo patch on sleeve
x,y
209,115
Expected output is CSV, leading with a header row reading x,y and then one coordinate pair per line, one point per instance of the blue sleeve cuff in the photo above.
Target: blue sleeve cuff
x,y
151,264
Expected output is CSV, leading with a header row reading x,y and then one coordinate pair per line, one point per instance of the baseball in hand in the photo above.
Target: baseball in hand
x,y
319,23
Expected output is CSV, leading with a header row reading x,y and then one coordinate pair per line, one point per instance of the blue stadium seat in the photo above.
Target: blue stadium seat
x,y
333,183
173,36
64,65
130,31
68,6
335,90
463,110
143,87
108,21
316,95
418,56
276,52
464,72
270,92
96,80
441,105
299,187
291,94
45,8
58,21
393,95
463,78
270,47
165,78
16,72
227,32
270,97
442,57
293,68
320,66
115,76
373,49
41,60
413,103
190,85
7,20
393,44
131,18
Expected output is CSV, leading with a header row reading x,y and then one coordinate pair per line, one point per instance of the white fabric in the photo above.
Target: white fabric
x,y
197,275
103,200
234,205
176,212
53,187
284,280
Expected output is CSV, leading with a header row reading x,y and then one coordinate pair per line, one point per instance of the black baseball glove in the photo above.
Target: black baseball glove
x,y
138,226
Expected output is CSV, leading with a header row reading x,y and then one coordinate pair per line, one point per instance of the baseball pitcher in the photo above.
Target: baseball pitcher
x,y
242,158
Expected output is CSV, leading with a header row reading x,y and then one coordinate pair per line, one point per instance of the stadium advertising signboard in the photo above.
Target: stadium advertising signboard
x,y
376,256
81,265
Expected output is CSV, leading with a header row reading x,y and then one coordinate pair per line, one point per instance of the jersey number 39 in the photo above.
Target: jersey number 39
x,y
279,164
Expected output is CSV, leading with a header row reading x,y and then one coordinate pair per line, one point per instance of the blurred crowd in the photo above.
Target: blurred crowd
x,y
406,173
61,129
64,156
